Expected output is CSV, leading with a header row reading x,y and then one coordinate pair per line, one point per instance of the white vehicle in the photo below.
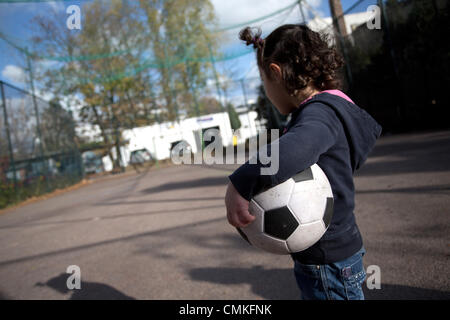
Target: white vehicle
x,y
160,139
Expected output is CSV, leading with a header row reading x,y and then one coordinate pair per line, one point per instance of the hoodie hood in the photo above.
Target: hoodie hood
x,y
360,128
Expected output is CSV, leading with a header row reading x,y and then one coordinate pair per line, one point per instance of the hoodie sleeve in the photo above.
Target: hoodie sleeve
x,y
313,133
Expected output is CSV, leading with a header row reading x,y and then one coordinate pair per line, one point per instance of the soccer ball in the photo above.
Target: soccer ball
x,y
291,216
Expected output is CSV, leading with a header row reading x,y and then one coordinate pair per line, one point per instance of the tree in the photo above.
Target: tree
x,y
179,33
58,128
208,105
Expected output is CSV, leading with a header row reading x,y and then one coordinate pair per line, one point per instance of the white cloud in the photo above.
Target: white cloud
x,y
237,11
233,12
14,74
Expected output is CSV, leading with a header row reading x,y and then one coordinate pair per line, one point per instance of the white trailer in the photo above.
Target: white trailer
x,y
159,139
249,126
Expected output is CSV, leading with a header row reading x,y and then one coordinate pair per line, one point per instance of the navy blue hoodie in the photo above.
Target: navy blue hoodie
x,y
338,136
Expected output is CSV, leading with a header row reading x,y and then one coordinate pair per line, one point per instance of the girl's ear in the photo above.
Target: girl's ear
x,y
276,71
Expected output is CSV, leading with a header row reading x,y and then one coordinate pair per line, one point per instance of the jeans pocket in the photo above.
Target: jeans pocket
x,y
353,276
309,281
309,270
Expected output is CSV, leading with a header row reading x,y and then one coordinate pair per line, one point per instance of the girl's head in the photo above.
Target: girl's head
x,y
294,62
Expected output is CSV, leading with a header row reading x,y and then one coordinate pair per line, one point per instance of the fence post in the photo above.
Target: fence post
x,y
8,136
301,11
340,32
38,124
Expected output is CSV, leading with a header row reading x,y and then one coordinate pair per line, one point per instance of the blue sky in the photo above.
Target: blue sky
x,y
15,23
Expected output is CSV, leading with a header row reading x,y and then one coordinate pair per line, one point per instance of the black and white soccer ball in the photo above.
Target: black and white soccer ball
x,y
293,215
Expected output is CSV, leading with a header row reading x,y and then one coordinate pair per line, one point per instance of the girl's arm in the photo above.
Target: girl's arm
x,y
314,132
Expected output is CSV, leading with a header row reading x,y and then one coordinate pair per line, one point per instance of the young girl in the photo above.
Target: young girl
x,y
299,72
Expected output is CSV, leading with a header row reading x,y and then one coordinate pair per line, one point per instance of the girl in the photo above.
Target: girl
x,y
299,73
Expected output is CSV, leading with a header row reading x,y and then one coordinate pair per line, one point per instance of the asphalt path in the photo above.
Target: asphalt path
x,y
162,234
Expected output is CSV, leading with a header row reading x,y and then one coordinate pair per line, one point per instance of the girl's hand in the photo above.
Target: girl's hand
x,y
237,208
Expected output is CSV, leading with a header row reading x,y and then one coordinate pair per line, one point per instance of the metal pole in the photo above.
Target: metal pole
x,y
340,31
338,16
301,10
8,136
38,124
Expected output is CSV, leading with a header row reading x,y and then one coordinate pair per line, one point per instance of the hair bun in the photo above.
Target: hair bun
x,y
251,37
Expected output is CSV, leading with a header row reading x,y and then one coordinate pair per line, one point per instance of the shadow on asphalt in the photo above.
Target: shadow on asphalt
x,y
279,284
3,296
195,183
428,155
275,284
435,189
181,199
111,217
400,292
88,291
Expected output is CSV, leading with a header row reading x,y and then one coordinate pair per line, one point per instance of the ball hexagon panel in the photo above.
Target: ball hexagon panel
x,y
275,197
305,236
280,223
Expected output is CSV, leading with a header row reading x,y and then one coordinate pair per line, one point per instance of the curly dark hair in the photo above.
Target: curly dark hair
x,y
303,55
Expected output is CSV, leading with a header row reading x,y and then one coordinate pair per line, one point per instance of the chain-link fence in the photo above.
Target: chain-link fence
x,y
38,152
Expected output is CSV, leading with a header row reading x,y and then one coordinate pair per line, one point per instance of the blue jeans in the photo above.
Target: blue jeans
x,y
335,281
